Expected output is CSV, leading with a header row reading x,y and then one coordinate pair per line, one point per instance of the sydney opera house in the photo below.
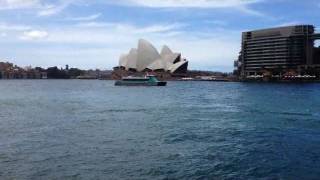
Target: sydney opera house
x,y
146,58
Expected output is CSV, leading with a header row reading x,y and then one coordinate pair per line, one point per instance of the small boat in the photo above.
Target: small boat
x,y
149,80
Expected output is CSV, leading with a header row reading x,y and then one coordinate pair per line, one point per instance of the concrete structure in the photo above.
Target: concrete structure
x,y
278,50
147,58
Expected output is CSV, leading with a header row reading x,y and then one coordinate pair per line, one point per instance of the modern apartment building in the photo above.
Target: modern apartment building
x,y
278,50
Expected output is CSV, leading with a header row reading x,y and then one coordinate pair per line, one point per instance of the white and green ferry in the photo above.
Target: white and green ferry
x,y
149,80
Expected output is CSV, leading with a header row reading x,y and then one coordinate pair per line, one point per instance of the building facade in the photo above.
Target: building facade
x,y
277,51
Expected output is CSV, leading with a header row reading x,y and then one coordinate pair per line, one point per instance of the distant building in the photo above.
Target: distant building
x,y
11,71
277,51
146,58
44,75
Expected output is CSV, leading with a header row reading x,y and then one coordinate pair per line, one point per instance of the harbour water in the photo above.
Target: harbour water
x,y
72,129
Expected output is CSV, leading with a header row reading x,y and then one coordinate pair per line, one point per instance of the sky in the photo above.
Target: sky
x,y
92,34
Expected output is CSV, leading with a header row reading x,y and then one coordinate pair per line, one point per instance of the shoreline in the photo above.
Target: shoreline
x,y
172,80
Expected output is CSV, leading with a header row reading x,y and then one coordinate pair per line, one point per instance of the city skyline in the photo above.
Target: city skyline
x,y
92,35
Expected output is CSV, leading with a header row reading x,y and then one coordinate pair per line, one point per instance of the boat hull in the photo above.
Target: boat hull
x,y
128,83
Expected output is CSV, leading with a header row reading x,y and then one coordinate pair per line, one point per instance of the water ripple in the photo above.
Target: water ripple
x,y
188,130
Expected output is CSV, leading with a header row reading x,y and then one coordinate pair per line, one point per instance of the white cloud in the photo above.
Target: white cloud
x,y
41,7
95,24
216,22
47,9
34,35
190,3
291,23
86,18
13,27
159,28
247,10
17,4
240,5
3,34
130,29
53,9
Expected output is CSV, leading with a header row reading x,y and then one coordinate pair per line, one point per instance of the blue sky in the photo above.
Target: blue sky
x,y
94,33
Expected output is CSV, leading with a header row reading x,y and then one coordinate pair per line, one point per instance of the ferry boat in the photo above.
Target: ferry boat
x,y
149,80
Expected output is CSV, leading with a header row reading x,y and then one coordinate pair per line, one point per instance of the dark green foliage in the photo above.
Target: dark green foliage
x,y
75,72
55,73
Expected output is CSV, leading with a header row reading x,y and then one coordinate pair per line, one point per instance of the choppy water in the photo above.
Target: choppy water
x,y
188,130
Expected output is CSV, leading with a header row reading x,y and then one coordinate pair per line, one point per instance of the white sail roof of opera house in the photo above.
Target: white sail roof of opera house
x,y
146,56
